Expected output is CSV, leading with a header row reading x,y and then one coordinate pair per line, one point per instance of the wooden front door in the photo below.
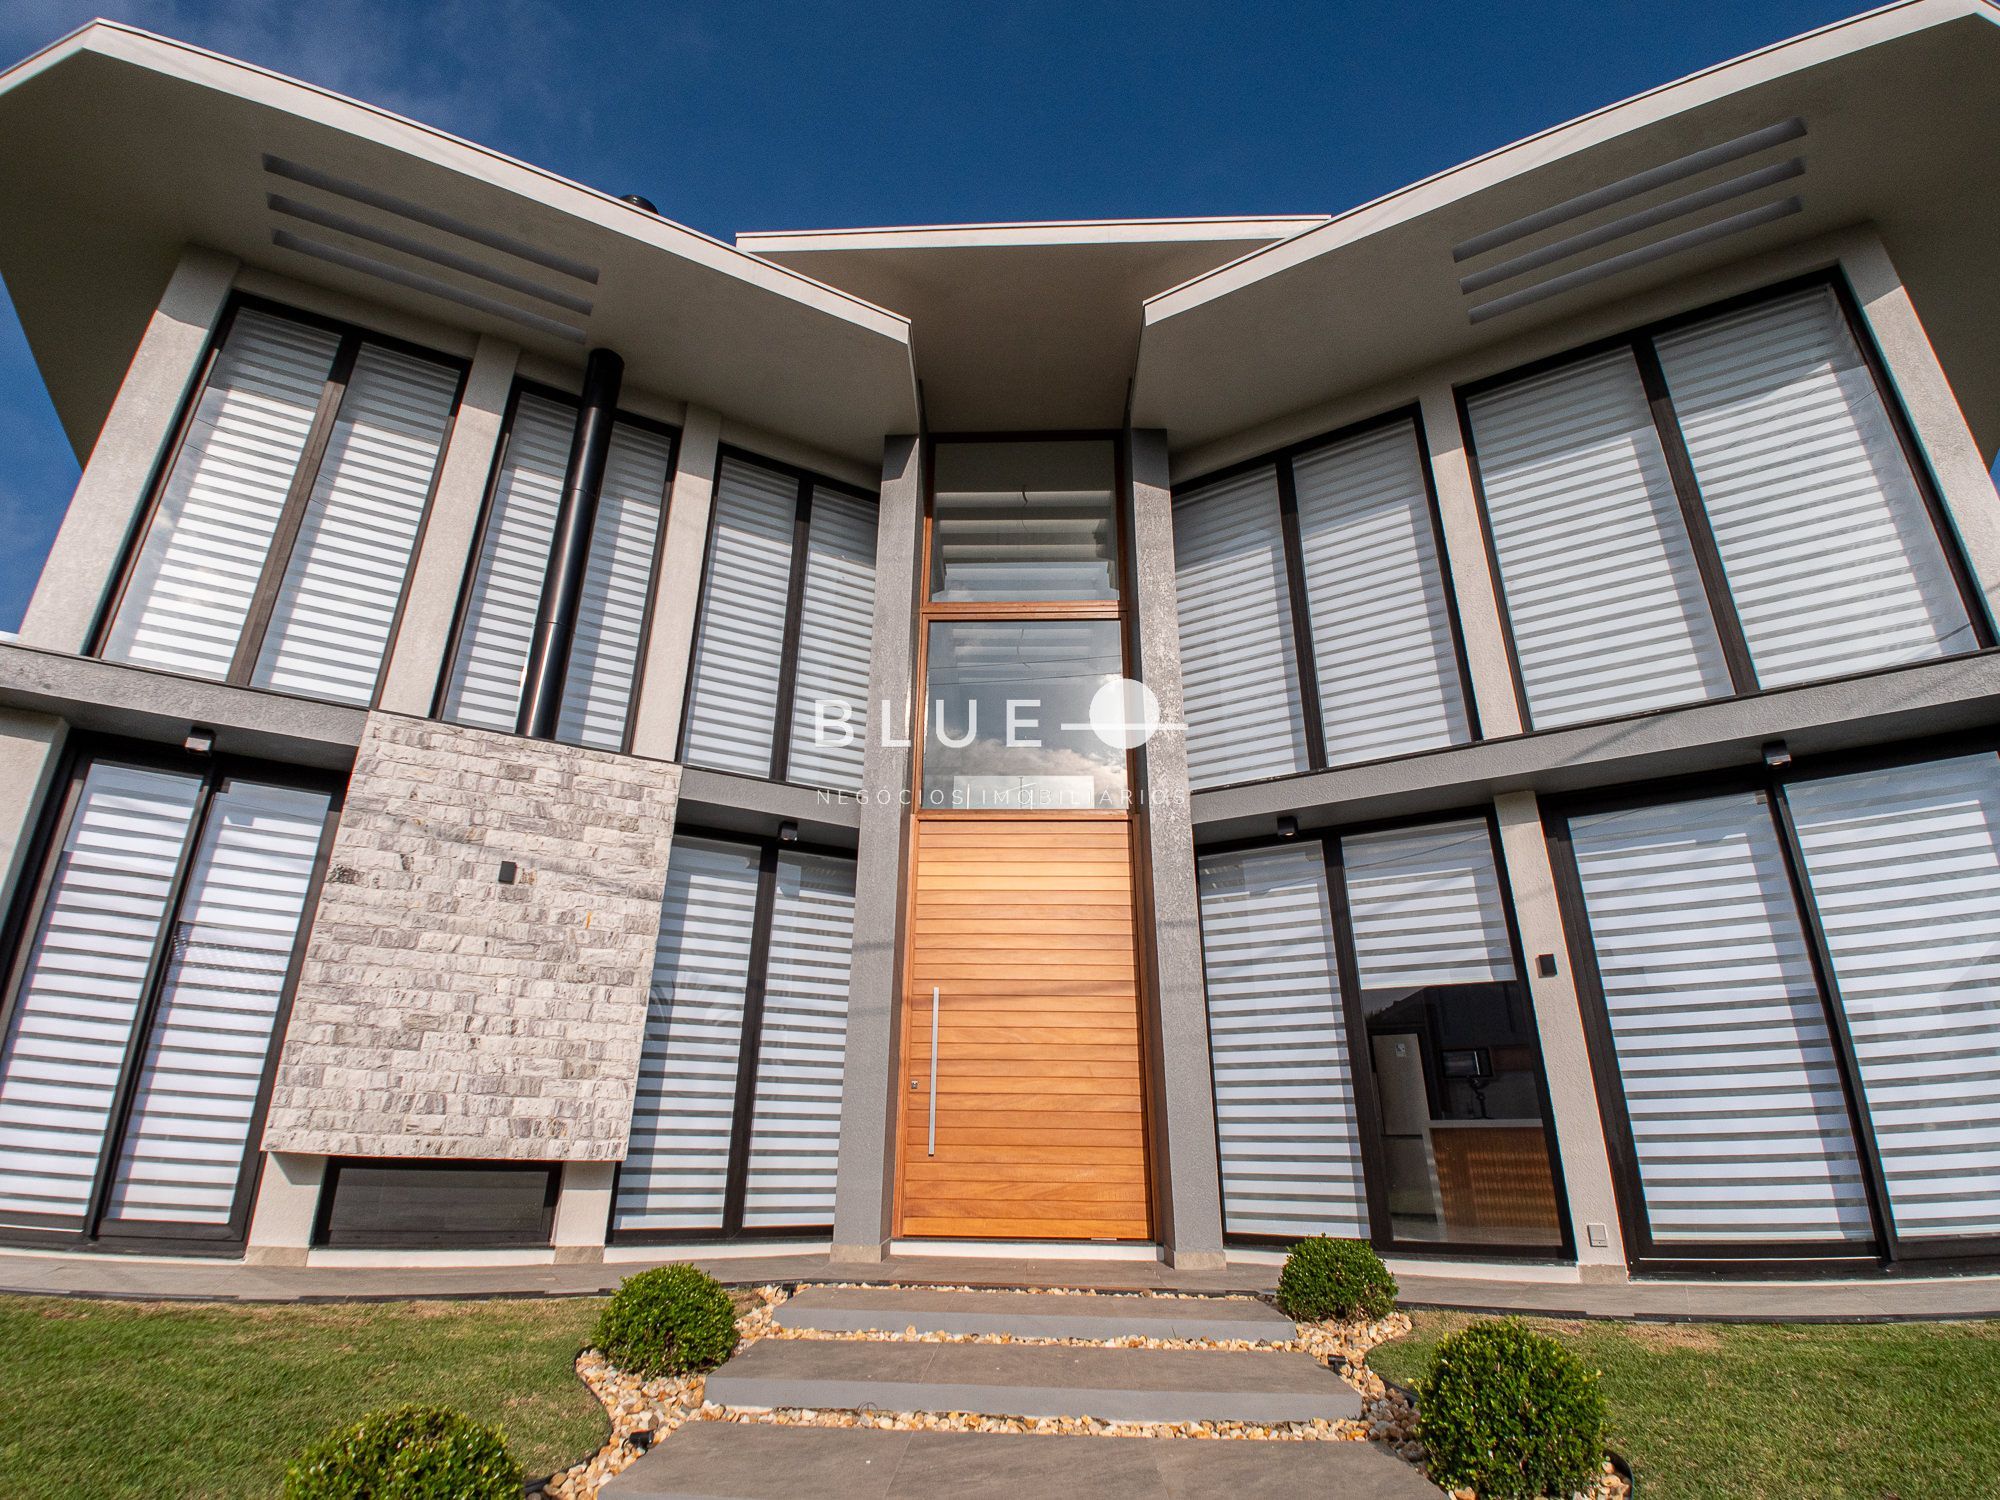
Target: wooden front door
x,y
1023,926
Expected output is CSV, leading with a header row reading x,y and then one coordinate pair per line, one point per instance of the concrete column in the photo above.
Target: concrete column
x,y
1962,479
88,549
864,1192
1187,1183
1586,1164
583,1212
437,574
281,1224
670,640
1471,577
30,747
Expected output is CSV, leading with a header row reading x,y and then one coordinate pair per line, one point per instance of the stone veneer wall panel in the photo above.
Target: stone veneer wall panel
x,y
443,1014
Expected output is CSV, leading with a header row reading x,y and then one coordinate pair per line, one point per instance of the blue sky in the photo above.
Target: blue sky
x,y
778,116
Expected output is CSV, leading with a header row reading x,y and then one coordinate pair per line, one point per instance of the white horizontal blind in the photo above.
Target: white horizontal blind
x,y
740,638
1426,907
836,628
1737,1109
337,600
1904,865
205,1058
1382,646
676,1172
1602,591
802,1046
1239,668
1832,560
484,689
197,572
617,581
1285,1117
83,985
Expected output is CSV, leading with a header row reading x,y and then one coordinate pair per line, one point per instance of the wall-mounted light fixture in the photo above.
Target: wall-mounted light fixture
x,y
1777,755
200,740
788,832
1288,827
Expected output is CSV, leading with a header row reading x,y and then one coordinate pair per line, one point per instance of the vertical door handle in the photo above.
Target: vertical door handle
x,y
931,1149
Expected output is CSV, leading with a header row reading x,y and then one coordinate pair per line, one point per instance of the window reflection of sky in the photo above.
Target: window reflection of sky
x,y
1050,670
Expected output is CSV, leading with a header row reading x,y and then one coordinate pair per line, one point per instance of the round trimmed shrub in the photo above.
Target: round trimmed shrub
x,y
1510,1413
1329,1278
412,1453
673,1320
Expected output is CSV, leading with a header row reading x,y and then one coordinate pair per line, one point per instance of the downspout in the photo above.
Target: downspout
x,y
569,550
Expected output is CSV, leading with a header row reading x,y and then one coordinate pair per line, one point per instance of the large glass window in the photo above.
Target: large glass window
x,y
779,682
1026,520
1452,1048
1286,1124
1316,626
503,598
1799,985
1732,1089
278,546
1719,505
1904,866
1365,1004
148,1000
1024,714
749,983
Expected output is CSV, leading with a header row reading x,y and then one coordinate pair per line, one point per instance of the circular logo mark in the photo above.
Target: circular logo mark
x,y
1124,714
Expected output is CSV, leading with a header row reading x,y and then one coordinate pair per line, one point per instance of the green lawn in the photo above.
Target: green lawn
x,y
103,1399
1708,1411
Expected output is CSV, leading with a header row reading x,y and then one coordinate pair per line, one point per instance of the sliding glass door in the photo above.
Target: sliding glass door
x,y
1376,1065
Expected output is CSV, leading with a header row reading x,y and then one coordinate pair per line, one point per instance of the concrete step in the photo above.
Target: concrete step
x,y
1048,1315
1035,1380
737,1461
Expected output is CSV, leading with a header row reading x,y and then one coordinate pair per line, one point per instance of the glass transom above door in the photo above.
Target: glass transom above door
x,y
1013,714
1023,521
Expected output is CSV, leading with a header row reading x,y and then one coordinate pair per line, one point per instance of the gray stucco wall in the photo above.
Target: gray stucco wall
x,y
1188,1191
864,1192
30,747
88,549
441,1013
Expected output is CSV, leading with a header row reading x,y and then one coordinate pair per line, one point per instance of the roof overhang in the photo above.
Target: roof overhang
x,y
1023,326
121,148
1887,118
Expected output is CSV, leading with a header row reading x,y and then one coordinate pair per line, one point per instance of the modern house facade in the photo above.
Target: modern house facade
x,y
1472,723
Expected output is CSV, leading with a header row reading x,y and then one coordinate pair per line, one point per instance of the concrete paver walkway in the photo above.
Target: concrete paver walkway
x,y
731,1461
852,1309
832,1375
1035,1380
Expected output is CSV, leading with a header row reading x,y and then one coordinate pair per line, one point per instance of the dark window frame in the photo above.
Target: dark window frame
x,y
24,919
284,537
433,1239
807,481
1886,1251
1641,343
468,574
749,1051
1361,1074
1299,608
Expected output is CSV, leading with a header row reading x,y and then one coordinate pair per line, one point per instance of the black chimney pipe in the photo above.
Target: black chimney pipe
x,y
569,551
